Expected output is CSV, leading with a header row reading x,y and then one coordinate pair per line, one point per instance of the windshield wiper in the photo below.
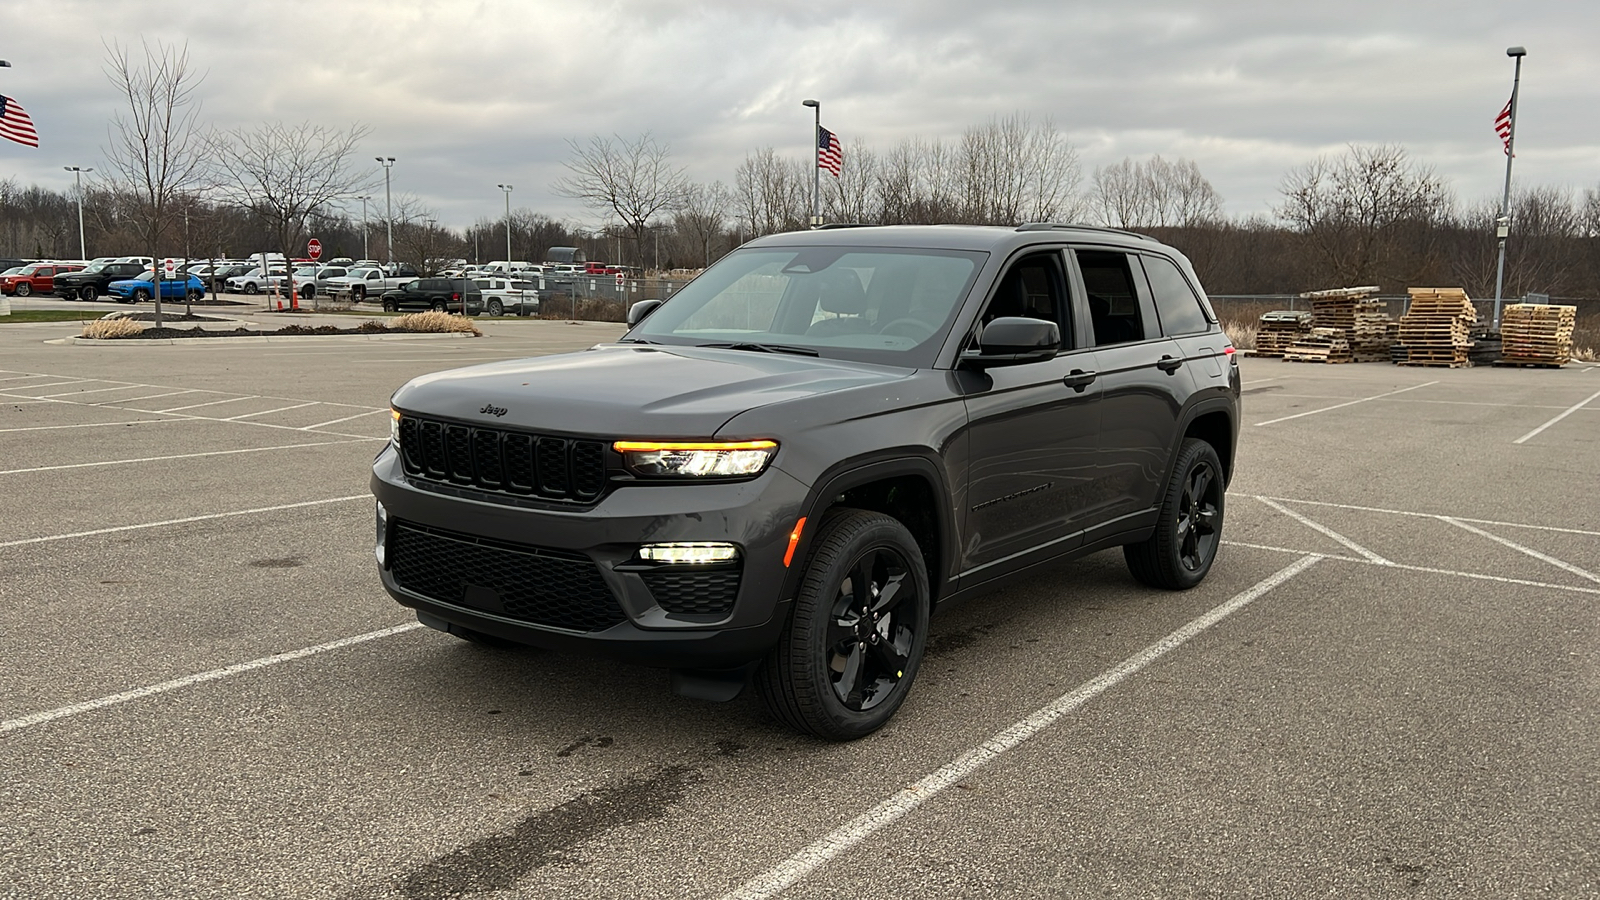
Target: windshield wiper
x,y
765,348
635,341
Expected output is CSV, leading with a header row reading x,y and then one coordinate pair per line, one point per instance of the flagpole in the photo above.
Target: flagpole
x,y
816,162
1503,224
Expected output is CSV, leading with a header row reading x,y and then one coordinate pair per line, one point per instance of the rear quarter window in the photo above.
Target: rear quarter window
x,y
1177,305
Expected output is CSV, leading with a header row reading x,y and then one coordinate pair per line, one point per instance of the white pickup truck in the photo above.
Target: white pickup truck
x,y
359,284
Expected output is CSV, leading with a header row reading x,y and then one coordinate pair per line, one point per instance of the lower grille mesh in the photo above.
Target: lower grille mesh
x,y
694,592
531,584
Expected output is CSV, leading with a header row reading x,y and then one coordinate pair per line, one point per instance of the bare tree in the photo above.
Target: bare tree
x,y
702,219
773,194
156,150
1154,194
1368,214
635,181
290,175
852,197
1013,170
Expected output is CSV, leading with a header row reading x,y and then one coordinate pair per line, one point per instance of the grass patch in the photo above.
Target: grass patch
x,y
101,329
434,322
19,316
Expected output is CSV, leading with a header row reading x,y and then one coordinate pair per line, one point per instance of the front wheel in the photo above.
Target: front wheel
x,y
24,289
308,292
89,293
141,296
389,306
358,294
1180,552
851,647
250,287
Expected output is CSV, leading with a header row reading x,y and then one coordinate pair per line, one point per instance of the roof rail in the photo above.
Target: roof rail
x,y
1080,226
826,226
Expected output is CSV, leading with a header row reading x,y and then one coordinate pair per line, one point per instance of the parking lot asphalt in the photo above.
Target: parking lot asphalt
x,y
1388,686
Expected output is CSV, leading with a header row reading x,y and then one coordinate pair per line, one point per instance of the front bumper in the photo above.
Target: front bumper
x,y
568,577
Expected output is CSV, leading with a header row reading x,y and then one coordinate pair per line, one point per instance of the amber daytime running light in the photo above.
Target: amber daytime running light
x,y
699,459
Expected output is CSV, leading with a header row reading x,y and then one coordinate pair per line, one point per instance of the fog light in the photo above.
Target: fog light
x,y
689,553
383,532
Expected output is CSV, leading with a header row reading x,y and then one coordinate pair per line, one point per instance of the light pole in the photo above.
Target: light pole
x,y
816,159
507,189
388,216
365,253
1502,225
77,176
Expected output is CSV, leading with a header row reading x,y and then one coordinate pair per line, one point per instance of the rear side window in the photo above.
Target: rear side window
x,y
1113,299
1176,303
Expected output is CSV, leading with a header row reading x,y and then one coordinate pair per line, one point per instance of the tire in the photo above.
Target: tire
x,y
89,293
1180,552
24,289
250,287
495,308
389,306
358,294
438,306
308,292
141,296
194,295
860,561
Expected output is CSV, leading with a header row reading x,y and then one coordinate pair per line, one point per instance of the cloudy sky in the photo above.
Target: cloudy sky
x,y
470,93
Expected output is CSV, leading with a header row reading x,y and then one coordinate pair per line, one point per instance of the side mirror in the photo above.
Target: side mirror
x,y
1013,340
638,311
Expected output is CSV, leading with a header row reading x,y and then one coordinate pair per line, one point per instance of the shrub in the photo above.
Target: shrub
x,y
372,326
434,322
1242,334
101,329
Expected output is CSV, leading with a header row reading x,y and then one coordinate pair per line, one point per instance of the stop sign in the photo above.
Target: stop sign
x,y
314,249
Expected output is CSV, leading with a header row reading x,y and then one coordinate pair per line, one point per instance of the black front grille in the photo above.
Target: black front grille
x,y
557,588
507,462
694,591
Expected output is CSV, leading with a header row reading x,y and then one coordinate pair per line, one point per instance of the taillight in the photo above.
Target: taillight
x,y
1232,353
455,296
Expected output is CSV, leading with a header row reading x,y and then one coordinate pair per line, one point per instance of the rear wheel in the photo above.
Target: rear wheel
x,y
438,306
194,294
853,642
1180,552
496,308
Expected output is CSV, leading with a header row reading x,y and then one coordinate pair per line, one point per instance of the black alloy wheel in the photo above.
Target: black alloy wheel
x,y
1180,552
853,643
89,293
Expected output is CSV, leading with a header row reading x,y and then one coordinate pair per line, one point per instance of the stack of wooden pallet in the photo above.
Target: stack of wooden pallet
x,y
1535,335
1277,330
1365,324
1322,345
1434,329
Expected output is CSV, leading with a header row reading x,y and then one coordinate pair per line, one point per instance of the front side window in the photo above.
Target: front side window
x,y
1176,303
870,304
1035,288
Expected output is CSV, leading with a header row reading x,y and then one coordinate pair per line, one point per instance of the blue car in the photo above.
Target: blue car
x,y
141,289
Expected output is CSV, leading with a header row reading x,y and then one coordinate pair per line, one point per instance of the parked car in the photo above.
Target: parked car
x,y
36,278
502,296
781,485
90,283
313,280
255,281
443,294
141,289
359,284
217,281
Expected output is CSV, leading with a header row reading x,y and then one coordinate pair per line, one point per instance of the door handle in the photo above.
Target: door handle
x,y
1169,364
1078,379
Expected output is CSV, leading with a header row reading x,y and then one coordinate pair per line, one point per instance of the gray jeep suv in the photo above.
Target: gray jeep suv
x,y
781,472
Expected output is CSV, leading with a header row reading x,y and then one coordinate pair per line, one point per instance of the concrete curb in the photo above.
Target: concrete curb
x,y
263,339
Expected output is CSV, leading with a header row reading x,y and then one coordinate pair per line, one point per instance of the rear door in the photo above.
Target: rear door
x,y
1144,384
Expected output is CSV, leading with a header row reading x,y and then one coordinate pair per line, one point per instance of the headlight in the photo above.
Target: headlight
x,y
713,459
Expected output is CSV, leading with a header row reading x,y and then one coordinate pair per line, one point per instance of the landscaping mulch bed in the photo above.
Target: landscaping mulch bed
x,y
168,317
198,332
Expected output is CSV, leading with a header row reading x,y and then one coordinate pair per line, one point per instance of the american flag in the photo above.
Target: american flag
x,y
1502,127
15,124
829,155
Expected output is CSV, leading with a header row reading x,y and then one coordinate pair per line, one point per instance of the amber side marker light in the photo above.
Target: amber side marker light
x,y
794,541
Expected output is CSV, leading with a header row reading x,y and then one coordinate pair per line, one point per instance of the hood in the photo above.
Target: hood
x,y
624,391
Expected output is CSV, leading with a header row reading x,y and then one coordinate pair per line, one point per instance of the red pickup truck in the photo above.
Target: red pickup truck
x,y
37,278
600,268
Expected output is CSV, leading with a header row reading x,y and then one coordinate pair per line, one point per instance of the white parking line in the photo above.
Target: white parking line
x,y
206,518
345,419
1542,557
150,397
268,412
95,424
120,387
211,403
1570,410
1431,570
1364,552
62,712
1343,405
1423,515
150,459
34,387
778,878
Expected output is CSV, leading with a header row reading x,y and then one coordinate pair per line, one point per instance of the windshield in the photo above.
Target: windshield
x,y
872,304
